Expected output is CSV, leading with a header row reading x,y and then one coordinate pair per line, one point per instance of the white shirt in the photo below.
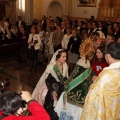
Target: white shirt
x,y
19,24
65,41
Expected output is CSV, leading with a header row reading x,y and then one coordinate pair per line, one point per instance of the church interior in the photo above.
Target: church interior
x,y
17,71
31,31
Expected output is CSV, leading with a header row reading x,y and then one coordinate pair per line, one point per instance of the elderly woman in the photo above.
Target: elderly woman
x,y
73,49
57,37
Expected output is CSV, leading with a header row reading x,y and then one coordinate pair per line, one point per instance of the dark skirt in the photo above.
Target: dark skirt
x,y
48,105
33,54
73,58
52,85
23,46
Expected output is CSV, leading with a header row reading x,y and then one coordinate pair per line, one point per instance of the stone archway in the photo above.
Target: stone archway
x,y
55,9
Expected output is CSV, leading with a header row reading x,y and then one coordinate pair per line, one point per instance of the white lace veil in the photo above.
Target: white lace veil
x,y
46,73
53,60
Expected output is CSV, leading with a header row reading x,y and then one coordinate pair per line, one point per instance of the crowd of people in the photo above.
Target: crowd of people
x,y
81,80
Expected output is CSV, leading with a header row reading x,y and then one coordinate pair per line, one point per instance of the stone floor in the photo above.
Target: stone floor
x,y
18,74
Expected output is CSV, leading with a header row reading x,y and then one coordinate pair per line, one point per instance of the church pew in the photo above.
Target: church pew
x,y
9,45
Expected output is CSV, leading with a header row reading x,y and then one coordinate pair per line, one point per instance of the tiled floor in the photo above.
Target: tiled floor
x,y
17,72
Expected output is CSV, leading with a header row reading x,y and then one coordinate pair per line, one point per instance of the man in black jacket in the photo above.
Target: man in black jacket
x,y
20,22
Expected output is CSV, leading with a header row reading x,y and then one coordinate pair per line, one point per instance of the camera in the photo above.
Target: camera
x,y
3,83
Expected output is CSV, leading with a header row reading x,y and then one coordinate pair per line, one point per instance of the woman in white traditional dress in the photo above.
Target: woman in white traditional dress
x,y
69,106
50,85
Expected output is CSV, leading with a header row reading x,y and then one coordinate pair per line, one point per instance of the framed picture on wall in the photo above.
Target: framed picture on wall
x,y
87,3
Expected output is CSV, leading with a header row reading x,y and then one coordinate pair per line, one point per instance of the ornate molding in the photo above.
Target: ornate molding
x,y
109,3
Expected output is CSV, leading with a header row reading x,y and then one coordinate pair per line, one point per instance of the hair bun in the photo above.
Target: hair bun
x,y
87,49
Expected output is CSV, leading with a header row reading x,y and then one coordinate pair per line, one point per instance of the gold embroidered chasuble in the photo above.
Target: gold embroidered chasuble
x,y
103,99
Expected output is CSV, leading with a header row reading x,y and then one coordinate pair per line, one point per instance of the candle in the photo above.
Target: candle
x,y
108,12
112,11
105,12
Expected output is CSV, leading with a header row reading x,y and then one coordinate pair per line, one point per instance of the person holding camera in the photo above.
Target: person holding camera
x,y
12,105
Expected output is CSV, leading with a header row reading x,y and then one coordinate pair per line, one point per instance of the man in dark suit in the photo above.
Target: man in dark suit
x,y
89,27
63,27
79,26
102,27
117,30
20,22
44,22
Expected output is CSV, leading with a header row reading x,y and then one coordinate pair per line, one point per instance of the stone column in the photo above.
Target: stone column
x,y
69,7
12,11
37,9
28,11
